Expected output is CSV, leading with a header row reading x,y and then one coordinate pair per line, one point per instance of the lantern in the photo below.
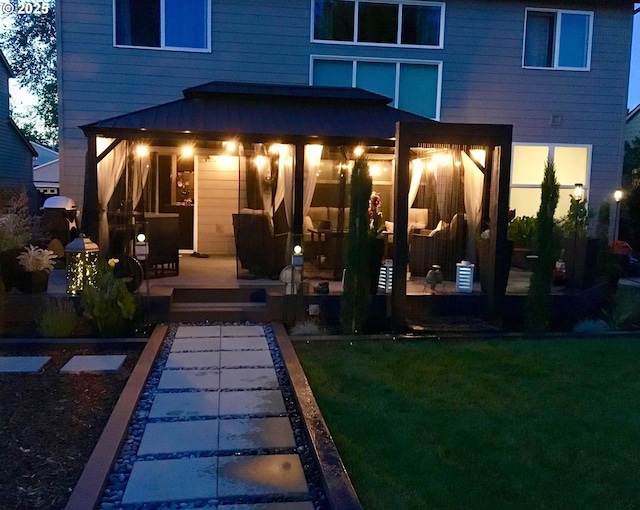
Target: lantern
x,y
81,255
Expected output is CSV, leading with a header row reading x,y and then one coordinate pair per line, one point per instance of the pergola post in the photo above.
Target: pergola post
x,y
89,222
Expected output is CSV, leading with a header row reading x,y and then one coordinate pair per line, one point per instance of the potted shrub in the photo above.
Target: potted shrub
x,y
36,264
521,232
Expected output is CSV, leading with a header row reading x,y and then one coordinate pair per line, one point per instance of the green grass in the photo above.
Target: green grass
x,y
524,424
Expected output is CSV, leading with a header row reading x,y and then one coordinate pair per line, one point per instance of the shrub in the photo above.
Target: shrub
x,y
33,258
305,328
58,318
591,327
625,313
108,302
522,231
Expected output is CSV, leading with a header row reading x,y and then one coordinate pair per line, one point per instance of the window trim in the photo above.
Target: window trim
x,y
557,32
162,46
396,61
397,44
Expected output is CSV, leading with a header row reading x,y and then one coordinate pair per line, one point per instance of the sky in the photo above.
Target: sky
x,y
22,99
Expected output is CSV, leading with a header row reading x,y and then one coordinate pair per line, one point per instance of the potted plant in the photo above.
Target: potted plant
x,y
521,232
36,263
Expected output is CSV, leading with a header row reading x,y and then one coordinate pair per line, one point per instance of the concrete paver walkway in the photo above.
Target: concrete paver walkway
x,y
216,432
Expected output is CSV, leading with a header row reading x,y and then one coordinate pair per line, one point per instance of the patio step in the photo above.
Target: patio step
x,y
219,305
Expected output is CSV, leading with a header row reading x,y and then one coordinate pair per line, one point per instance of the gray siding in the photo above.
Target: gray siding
x,y
632,129
269,41
16,163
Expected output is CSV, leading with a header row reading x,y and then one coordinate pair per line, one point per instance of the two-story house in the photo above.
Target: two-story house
x,y
557,72
16,154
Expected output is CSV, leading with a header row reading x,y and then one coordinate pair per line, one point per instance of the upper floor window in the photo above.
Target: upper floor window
x,y
396,22
414,85
555,39
167,24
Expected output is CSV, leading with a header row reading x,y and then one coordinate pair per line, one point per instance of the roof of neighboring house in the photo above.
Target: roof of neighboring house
x,y
633,113
227,109
21,136
45,154
47,175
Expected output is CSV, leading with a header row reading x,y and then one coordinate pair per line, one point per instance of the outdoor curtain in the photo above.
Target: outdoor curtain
x,y
473,187
312,158
110,170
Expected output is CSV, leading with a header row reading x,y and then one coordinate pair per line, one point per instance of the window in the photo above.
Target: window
x,y
381,23
573,165
557,39
167,24
414,86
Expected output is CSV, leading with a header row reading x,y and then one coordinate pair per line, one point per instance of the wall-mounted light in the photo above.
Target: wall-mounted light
x,y
187,151
358,151
617,195
229,146
578,191
142,150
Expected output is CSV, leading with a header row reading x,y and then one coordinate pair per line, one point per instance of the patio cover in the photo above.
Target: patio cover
x,y
217,110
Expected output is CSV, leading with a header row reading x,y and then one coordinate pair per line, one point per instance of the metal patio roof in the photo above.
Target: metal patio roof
x,y
223,109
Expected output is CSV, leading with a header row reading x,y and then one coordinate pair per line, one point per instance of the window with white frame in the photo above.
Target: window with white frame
x,y
413,85
557,39
399,22
166,24
572,163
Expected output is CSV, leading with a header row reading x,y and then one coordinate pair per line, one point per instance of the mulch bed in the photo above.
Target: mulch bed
x,y
50,422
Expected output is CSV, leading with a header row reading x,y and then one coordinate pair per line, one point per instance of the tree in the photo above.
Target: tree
x,y
630,213
539,297
30,46
356,297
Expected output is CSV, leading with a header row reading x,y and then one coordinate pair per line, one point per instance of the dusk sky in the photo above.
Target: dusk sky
x,y
634,79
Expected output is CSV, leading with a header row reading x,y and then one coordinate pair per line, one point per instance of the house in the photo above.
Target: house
x,y
46,172
16,154
632,128
131,74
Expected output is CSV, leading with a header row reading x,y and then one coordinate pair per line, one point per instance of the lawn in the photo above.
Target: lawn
x,y
513,424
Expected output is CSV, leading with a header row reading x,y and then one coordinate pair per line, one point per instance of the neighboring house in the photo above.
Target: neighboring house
x,y
632,128
46,172
16,154
555,71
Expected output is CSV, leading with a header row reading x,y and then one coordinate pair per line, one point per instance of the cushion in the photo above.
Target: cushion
x,y
418,216
317,214
307,224
333,217
388,226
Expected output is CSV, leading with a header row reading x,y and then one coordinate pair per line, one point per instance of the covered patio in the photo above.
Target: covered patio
x,y
251,170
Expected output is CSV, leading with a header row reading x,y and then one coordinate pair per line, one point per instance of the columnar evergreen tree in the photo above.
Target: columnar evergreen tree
x,y
356,296
539,297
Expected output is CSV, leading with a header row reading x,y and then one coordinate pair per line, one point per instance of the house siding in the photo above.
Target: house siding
x,y
270,42
16,157
632,128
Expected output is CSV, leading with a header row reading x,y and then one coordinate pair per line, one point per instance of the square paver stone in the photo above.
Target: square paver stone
x,y
94,363
242,331
248,379
252,433
251,402
193,359
261,475
22,364
176,405
172,480
198,331
195,344
246,359
189,379
281,505
240,343
180,436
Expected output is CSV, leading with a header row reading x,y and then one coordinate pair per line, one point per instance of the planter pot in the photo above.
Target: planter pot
x,y
581,257
34,282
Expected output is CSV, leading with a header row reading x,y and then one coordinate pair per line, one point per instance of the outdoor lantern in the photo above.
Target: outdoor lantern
x,y
578,190
434,277
141,248
297,258
385,280
464,276
617,196
81,255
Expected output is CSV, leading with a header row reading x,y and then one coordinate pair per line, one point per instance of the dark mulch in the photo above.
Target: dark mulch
x,y
50,422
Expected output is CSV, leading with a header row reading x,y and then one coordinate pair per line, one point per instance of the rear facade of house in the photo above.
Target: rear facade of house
x,y
556,71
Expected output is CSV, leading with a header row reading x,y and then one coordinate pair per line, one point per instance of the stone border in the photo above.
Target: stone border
x,y
337,485
88,491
